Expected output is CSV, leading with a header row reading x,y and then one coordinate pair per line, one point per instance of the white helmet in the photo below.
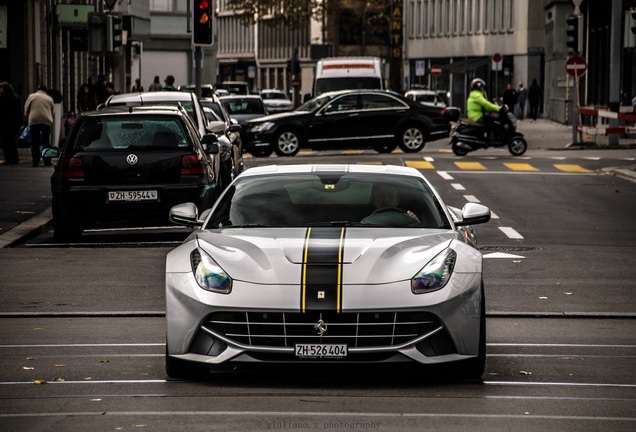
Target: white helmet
x,y
477,84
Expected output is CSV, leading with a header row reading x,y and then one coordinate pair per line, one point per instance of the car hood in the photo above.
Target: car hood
x,y
242,118
369,255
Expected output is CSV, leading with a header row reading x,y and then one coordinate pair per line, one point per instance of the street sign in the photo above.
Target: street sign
x,y
497,57
496,62
436,70
576,66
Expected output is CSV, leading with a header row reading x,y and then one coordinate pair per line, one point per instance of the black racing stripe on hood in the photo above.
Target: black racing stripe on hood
x,y
321,276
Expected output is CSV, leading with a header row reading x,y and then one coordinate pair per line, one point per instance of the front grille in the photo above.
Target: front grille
x,y
357,330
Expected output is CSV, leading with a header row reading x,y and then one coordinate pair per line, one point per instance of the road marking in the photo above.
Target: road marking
x,y
369,163
419,164
493,215
571,168
445,175
501,255
471,198
511,233
458,186
471,166
520,166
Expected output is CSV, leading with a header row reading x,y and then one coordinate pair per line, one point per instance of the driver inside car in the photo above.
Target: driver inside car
x,y
385,200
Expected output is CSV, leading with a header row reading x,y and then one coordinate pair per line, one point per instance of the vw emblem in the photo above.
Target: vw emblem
x,y
132,159
321,327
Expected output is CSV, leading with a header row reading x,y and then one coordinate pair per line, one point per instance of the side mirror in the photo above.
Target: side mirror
x,y
211,143
473,214
51,152
185,214
235,127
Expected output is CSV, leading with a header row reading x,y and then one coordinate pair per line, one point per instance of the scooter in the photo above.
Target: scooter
x,y
467,136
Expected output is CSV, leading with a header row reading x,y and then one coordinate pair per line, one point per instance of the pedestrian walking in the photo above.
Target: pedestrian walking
x,y
535,98
99,90
510,97
169,83
522,96
10,122
137,88
156,84
39,111
85,99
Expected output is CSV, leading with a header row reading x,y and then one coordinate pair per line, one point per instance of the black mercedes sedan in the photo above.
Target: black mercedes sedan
x,y
378,119
127,166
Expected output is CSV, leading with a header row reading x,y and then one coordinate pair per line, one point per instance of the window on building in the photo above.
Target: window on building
x,y
461,17
510,14
425,18
470,17
478,16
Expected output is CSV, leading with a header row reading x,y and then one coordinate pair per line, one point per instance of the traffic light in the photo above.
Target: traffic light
x,y
114,36
572,34
202,16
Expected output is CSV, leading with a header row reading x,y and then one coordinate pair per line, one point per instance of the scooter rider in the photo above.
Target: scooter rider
x,y
477,103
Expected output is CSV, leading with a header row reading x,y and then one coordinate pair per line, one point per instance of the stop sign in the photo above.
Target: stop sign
x,y
436,70
576,66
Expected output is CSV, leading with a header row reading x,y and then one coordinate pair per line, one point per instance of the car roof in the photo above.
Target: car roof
x,y
149,109
334,168
360,91
150,97
238,96
420,91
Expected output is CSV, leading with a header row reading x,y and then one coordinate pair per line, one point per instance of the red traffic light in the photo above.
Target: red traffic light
x,y
202,22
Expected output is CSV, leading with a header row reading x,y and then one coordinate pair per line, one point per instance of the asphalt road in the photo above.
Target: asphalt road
x,y
82,327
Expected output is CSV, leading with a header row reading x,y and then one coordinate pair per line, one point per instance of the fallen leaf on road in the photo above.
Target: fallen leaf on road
x,y
59,365
104,361
58,379
27,368
525,373
543,298
39,381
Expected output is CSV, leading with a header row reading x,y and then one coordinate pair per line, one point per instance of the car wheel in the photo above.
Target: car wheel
x,y
287,143
458,149
384,147
412,139
182,369
517,146
261,151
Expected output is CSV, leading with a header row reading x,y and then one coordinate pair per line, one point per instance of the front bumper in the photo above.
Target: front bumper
x,y
391,325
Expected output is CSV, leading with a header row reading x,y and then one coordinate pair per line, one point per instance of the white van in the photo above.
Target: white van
x,y
343,73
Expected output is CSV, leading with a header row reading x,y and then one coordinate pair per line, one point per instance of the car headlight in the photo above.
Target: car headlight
x,y
436,274
262,127
209,275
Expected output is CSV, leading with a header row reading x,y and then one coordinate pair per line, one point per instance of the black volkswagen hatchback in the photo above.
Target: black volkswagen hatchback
x,y
126,167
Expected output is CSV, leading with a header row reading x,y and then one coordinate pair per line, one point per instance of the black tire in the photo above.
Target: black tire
x,y
63,232
412,139
261,151
459,150
384,147
517,146
182,369
287,143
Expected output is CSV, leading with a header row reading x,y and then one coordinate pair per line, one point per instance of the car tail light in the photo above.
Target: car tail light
x,y
192,165
72,168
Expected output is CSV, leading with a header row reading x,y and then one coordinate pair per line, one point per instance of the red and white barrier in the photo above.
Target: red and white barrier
x,y
625,114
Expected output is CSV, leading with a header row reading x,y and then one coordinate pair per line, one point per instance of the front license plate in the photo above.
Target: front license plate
x,y
321,350
145,195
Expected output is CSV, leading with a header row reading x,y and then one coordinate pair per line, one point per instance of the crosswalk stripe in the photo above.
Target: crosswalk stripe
x,y
470,166
419,164
571,168
369,163
520,166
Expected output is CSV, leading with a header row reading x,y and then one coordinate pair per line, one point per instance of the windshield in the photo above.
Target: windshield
x,y
329,199
314,104
117,133
244,106
273,95
324,85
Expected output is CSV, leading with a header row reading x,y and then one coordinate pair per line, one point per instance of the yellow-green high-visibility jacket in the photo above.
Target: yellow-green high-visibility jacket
x,y
476,103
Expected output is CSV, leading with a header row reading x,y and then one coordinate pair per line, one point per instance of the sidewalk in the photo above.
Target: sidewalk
x,y
25,195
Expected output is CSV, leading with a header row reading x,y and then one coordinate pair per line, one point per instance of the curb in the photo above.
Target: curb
x,y
27,229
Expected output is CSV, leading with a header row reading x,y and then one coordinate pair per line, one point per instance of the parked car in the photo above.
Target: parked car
x,y
313,265
233,87
244,107
377,119
230,166
276,101
221,123
427,97
206,89
124,167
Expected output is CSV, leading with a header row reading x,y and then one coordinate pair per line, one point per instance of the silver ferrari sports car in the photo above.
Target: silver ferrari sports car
x,y
327,264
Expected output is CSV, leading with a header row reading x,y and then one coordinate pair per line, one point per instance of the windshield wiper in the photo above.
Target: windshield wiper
x,y
342,223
